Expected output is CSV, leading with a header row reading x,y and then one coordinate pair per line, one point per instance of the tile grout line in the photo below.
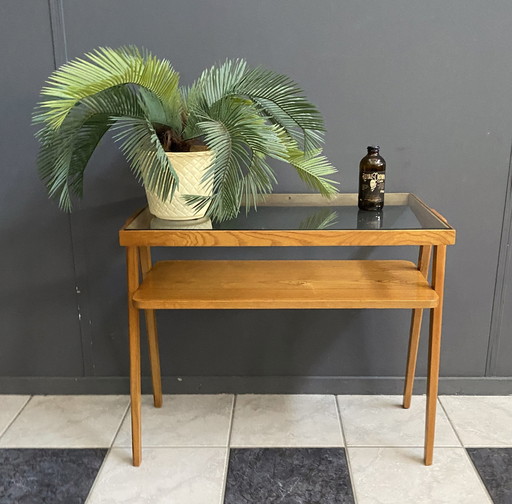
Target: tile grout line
x,y
400,446
109,449
98,475
125,414
227,454
288,447
228,451
230,428
9,425
174,447
345,447
475,470
450,421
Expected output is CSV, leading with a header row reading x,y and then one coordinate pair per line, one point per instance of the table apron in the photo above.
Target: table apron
x,y
277,238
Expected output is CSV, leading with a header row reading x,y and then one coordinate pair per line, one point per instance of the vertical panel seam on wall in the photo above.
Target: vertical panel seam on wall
x,y
60,50
60,56
502,270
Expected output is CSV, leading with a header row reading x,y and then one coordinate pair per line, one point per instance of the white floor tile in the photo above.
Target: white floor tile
x,y
10,406
183,420
166,476
380,420
285,421
398,476
481,420
66,422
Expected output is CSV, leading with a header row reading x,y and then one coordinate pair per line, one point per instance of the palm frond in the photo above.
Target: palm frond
x,y
216,83
158,112
65,152
282,100
86,141
106,68
307,138
313,168
265,112
146,156
240,139
276,96
259,181
213,85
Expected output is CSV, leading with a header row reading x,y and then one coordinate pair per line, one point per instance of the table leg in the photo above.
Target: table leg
x,y
132,264
434,349
414,338
151,330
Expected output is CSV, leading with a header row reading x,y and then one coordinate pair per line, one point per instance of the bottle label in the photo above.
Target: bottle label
x,y
373,182
371,190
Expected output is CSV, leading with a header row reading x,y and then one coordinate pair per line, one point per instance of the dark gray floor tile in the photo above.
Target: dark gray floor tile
x,y
288,476
53,476
495,468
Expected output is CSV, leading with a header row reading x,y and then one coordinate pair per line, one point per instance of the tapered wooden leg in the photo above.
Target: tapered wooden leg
x,y
151,330
154,357
434,350
134,337
412,355
414,338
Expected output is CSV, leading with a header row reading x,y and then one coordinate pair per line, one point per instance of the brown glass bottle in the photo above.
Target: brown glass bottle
x,y
372,176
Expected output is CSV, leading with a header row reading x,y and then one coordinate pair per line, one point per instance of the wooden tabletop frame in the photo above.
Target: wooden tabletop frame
x,y
436,232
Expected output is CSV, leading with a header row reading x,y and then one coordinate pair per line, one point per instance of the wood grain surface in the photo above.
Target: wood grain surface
x,y
278,238
284,284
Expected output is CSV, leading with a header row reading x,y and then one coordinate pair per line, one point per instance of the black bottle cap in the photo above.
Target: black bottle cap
x,y
373,148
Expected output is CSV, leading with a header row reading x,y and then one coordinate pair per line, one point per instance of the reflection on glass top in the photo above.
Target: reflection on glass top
x,y
399,213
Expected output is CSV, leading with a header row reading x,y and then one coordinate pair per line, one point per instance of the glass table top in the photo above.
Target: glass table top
x,y
311,212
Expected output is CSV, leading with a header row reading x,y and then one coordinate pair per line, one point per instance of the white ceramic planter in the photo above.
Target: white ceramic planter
x,y
190,167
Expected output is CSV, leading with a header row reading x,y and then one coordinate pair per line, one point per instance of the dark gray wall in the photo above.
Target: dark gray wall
x,y
40,333
428,81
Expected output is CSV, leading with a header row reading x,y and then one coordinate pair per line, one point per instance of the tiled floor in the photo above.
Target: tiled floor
x,y
294,449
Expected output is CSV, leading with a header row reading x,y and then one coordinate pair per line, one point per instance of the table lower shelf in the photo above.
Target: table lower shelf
x,y
284,284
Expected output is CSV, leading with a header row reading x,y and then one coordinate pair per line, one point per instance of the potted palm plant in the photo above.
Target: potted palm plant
x,y
202,149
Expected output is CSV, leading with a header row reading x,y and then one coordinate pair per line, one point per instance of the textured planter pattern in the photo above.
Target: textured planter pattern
x,y
190,167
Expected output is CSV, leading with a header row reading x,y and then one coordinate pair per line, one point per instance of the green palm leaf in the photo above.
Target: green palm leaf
x,y
314,168
148,160
65,152
105,68
240,139
214,85
281,99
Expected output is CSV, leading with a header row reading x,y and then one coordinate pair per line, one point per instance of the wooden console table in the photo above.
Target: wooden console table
x,y
295,220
